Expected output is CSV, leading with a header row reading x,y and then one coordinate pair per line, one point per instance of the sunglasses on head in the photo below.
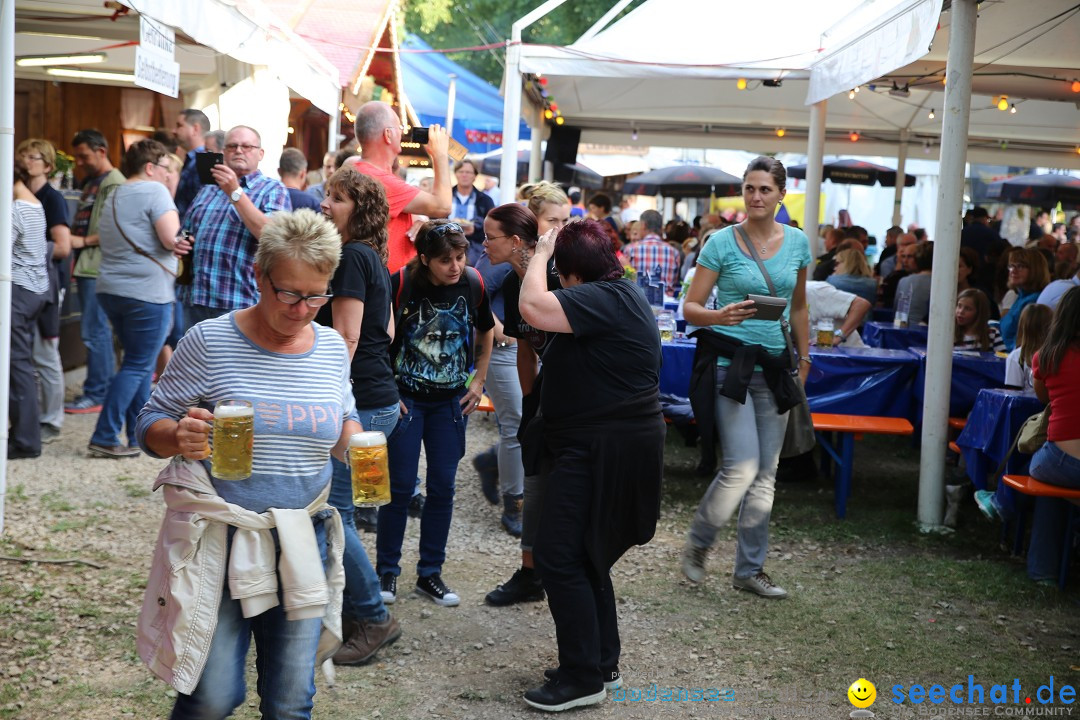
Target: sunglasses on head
x,y
439,230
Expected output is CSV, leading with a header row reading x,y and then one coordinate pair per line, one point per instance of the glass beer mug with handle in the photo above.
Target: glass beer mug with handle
x,y
369,468
233,436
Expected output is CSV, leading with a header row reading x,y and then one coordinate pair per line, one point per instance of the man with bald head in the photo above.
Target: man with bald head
x,y
226,221
905,265
379,132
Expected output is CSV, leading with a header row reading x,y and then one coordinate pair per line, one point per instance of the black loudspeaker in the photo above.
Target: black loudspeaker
x,y
562,145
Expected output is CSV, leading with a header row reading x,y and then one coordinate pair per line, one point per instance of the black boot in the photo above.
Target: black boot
x,y
511,517
523,586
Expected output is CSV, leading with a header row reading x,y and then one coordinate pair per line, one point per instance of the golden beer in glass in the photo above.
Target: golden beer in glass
x,y
370,469
826,333
234,434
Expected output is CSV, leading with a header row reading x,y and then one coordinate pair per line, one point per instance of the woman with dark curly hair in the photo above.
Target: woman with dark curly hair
x,y
360,312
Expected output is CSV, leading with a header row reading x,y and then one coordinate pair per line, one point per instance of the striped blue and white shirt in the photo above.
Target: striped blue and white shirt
x,y
29,252
224,248
300,401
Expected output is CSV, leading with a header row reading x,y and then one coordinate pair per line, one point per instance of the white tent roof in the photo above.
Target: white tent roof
x,y
679,88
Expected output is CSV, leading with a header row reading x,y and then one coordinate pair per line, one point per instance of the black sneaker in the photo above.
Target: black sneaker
x,y
612,678
433,587
523,586
556,696
388,588
416,505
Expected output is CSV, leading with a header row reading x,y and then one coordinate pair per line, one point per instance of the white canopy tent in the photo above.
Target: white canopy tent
x,y
664,75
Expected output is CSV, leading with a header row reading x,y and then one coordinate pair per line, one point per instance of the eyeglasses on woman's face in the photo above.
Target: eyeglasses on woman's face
x,y
292,298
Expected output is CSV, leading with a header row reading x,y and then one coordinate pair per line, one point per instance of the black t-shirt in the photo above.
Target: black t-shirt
x,y
513,325
613,353
362,276
56,213
433,344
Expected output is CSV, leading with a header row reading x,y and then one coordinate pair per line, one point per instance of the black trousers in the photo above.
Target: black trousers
x,y
23,411
581,599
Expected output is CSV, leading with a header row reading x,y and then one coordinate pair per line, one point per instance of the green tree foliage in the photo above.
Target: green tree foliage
x,y
468,23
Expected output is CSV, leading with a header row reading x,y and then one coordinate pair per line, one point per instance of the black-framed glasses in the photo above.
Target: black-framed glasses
x,y
292,298
32,157
243,147
439,230
496,237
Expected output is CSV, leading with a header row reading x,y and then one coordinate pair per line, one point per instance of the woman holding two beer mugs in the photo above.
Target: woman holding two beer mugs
x,y
280,384
360,311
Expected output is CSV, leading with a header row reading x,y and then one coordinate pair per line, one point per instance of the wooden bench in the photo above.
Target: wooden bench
x,y
1033,488
850,428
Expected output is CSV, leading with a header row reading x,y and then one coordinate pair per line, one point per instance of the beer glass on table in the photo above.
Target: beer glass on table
x,y
370,469
826,333
234,433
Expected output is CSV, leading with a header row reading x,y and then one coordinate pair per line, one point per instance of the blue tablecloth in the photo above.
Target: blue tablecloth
x,y
884,335
971,372
994,421
852,381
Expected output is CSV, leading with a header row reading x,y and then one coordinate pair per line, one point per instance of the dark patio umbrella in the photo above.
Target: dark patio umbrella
x,y
565,173
854,172
683,181
1032,189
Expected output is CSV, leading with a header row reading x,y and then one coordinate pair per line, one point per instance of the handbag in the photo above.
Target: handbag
x,y
1032,435
799,437
138,250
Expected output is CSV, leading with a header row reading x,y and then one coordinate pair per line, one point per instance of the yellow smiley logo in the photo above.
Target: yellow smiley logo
x,y
862,693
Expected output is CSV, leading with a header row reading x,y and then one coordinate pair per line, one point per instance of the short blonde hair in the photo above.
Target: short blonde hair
x,y
537,194
852,262
42,147
176,162
302,235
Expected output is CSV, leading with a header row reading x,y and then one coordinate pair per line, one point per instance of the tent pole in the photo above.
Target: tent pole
x,y
333,140
7,157
535,167
512,101
451,96
954,138
815,155
901,163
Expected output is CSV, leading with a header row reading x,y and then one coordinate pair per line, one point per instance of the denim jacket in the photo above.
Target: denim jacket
x,y
192,560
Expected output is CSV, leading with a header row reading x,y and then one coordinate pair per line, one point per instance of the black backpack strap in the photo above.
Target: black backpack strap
x,y
403,295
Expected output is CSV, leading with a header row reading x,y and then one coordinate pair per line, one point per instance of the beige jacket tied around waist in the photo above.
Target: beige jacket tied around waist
x,y
180,608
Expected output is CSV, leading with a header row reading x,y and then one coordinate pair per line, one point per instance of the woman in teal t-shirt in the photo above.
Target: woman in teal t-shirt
x,y
751,432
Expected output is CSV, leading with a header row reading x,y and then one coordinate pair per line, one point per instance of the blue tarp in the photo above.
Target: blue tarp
x,y
478,107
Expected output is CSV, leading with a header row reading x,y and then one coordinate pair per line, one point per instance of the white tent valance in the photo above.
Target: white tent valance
x,y
247,31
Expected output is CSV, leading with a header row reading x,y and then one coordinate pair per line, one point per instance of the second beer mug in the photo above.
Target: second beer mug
x,y
234,434
370,469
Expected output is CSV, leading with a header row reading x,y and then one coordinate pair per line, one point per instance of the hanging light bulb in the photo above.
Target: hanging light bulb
x,y
559,120
633,134
931,116
854,136
1012,109
741,84
1075,86
856,88
851,95
548,114
781,132
1003,103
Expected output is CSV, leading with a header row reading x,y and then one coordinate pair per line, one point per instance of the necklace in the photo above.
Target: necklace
x,y
763,249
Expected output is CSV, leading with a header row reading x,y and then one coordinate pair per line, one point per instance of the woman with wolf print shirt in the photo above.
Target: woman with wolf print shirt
x,y
443,325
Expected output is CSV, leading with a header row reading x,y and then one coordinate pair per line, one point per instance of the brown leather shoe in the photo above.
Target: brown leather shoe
x,y
361,646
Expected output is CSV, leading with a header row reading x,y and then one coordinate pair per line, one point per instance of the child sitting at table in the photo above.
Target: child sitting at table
x,y
1030,334
972,329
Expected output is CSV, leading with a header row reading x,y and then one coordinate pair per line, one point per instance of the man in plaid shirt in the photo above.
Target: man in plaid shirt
x,y
651,250
226,221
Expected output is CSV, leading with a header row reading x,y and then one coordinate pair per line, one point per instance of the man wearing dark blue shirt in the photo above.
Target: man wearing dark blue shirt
x,y
191,126
292,169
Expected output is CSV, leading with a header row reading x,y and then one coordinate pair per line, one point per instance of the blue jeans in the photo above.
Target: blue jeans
x,y
505,391
142,328
751,436
178,326
195,314
440,427
1049,521
362,598
285,661
98,338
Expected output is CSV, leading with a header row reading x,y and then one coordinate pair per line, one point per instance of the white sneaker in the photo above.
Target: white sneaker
x,y
760,584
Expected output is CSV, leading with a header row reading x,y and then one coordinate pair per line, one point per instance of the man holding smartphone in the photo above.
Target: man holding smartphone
x,y
379,132
226,220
